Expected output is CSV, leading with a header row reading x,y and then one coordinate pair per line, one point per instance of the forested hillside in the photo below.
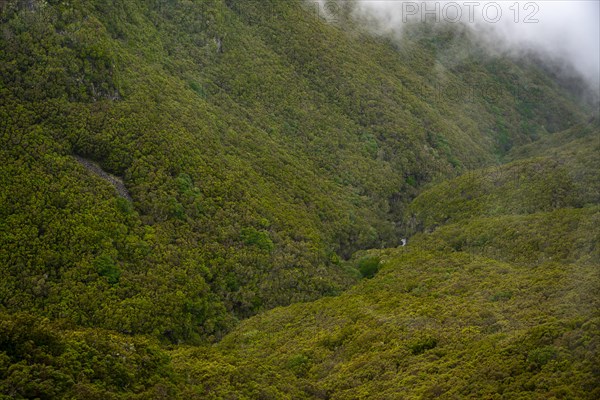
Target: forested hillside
x,y
171,169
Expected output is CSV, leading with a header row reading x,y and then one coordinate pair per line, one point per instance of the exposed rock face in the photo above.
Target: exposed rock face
x,y
115,181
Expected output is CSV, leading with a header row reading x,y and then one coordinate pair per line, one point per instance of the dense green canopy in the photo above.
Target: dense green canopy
x,y
191,193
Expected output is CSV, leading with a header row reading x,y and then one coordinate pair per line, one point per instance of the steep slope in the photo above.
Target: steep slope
x,y
170,168
260,146
503,304
493,302
561,171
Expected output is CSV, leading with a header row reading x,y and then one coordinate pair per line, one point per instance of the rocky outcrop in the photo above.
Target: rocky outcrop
x,y
115,181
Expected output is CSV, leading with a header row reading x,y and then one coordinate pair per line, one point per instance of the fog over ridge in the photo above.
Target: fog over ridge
x,y
565,32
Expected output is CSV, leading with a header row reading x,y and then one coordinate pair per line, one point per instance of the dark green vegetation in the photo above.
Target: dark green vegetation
x,y
265,151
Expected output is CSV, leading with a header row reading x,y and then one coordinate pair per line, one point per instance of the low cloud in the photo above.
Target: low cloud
x,y
565,32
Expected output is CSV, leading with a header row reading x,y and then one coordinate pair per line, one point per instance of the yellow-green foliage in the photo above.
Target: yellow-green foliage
x,y
429,324
503,304
43,360
563,174
260,149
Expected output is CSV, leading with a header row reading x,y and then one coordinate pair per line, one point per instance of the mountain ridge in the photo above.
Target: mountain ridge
x,y
267,154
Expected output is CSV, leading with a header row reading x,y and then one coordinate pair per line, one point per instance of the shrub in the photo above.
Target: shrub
x,y
421,345
260,239
106,266
369,266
